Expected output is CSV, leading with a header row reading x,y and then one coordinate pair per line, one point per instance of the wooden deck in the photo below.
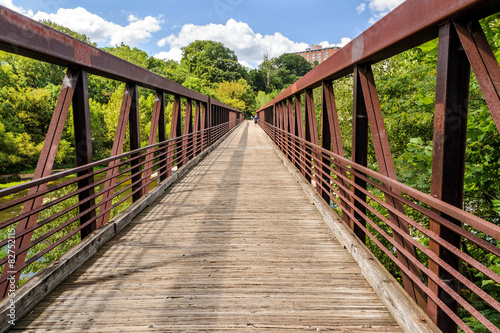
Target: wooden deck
x,y
234,246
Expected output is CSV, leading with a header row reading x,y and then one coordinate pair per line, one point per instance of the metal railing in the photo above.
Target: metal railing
x,y
52,213
430,249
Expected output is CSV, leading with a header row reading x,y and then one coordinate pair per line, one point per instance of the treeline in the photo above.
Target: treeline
x,y
29,91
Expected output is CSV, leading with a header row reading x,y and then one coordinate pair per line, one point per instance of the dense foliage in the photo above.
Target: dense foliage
x,y
29,90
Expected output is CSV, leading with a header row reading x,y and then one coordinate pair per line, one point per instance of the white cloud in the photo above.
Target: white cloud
x,y
237,36
384,5
99,30
342,43
10,5
245,64
361,8
173,54
378,8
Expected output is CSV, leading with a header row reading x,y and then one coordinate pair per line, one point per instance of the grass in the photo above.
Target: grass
x,y
7,185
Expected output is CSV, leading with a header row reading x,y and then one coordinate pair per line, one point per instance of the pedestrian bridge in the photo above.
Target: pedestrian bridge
x,y
227,225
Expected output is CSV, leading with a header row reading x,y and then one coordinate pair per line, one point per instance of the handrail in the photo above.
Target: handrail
x,y
47,217
410,24
349,185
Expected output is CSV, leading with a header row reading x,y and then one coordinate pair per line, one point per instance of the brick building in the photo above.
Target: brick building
x,y
318,53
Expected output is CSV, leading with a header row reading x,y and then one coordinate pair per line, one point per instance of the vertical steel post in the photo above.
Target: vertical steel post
x,y
135,141
299,131
155,120
83,149
162,135
121,128
187,142
331,139
386,168
359,152
175,131
43,169
448,163
311,133
196,128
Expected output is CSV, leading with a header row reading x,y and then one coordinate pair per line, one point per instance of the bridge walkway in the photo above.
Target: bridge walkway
x,y
234,246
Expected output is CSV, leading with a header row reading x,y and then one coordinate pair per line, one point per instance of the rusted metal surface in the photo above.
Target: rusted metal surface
x,y
484,64
389,187
350,185
158,109
448,167
359,150
412,23
123,176
386,167
43,169
134,127
83,148
116,150
331,137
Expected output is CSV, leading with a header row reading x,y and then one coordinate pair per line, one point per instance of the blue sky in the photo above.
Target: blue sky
x,y
248,27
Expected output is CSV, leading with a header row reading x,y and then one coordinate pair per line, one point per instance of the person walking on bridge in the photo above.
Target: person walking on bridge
x,y
255,119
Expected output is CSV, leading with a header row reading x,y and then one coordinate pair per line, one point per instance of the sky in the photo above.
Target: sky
x,y
251,28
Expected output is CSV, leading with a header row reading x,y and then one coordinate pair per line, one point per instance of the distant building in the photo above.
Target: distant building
x,y
318,53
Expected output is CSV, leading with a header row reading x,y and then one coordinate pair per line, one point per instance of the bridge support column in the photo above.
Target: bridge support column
x,y
331,140
311,134
359,152
83,150
448,164
43,169
299,131
386,168
135,142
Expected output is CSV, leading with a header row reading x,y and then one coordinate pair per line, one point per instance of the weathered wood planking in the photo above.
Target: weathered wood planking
x,y
234,246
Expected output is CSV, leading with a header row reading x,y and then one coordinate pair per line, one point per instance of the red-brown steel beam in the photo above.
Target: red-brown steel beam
x,y
291,128
175,131
83,149
311,131
158,109
331,139
134,126
188,129
162,135
483,63
204,124
117,149
299,130
43,169
359,152
196,128
24,36
412,23
386,168
448,162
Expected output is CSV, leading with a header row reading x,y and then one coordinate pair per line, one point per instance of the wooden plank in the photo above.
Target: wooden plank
x,y
404,309
38,287
222,250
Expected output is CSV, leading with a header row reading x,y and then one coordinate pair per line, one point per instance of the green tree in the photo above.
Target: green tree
x,y
238,94
212,61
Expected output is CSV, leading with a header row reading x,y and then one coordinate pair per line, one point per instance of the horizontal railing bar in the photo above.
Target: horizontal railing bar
x,y
457,213
33,183
74,219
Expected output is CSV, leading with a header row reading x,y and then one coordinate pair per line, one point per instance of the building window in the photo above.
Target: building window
x,y
319,54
